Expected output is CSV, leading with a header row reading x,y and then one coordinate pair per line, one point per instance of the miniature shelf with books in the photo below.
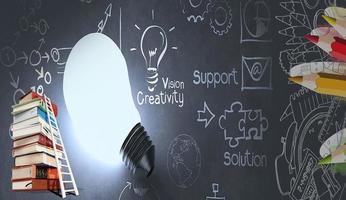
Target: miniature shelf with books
x,y
41,162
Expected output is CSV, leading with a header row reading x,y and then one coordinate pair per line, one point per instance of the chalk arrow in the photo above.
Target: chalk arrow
x,y
35,27
14,83
40,73
128,185
32,12
46,55
17,35
42,41
24,57
108,11
100,26
205,115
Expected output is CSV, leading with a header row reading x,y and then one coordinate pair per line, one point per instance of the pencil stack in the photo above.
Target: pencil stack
x,y
326,77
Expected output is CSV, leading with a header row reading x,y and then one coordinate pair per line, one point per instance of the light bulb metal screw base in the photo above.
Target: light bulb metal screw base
x,y
138,151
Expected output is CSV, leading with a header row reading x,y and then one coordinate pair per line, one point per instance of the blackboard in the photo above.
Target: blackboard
x,y
248,132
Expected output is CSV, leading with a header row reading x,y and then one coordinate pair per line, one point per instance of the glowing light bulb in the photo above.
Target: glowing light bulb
x,y
98,97
153,48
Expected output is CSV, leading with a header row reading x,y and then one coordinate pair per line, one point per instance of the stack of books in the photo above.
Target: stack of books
x,y
33,153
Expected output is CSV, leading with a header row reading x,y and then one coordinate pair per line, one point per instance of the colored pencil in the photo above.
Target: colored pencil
x,y
336,157
328,84
323,37
336,68
338,24
333,143
335,12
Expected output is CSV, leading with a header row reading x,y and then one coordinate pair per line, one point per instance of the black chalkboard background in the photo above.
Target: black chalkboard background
x,y
225,157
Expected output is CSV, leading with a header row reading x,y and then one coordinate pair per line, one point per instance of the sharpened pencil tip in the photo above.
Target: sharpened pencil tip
x,y
325,161
312,38
330,20
296,79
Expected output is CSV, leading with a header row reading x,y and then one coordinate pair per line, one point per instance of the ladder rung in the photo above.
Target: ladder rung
x,y
67,181
63,169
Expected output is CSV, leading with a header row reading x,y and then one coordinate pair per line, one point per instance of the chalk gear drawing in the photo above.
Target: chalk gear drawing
x,y
220,14
194,10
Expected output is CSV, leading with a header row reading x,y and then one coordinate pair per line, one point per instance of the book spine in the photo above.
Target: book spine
x,y
43,115
41,172
45,141
43,106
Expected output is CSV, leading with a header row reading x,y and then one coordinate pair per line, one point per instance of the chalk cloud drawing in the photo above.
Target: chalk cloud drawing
x,y
256,73
220,16
205,116
255,21
133,191
298,174
194,10
184,161
249,124
215,188
153,47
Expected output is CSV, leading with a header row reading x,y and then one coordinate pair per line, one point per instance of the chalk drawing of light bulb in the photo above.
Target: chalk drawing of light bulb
x,y
153,48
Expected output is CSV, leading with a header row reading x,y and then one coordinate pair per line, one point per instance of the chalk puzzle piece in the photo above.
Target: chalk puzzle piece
x,y
255,125
240,124
233,134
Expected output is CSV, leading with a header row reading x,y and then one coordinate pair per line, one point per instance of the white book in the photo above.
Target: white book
x,y
22,185
32,130
34,148
18,108
28,122
24,172
30,140
34,112
34,159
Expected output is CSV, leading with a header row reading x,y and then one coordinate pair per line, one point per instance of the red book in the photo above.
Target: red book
x,y
35,184
33,95
38,138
